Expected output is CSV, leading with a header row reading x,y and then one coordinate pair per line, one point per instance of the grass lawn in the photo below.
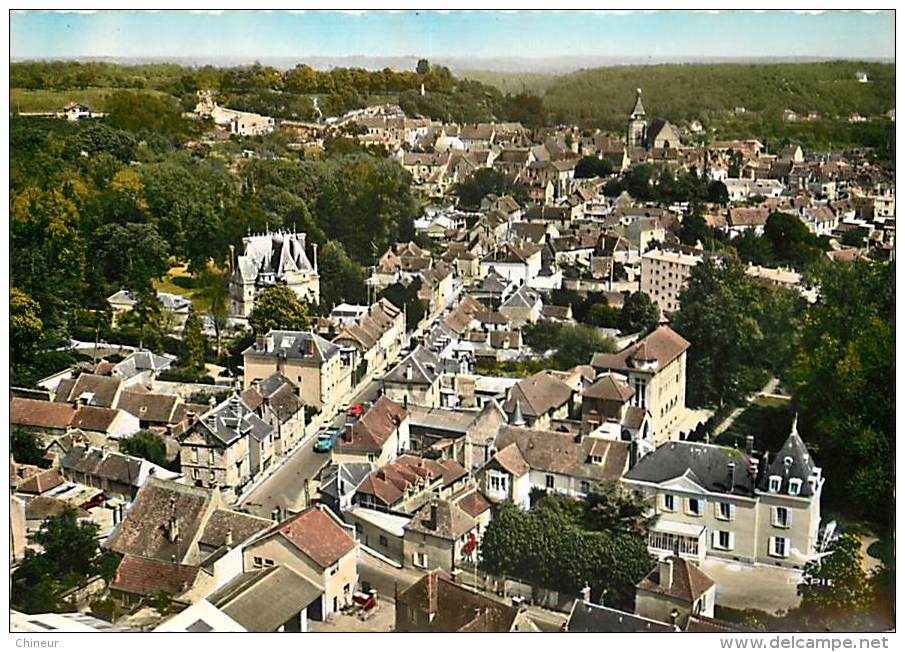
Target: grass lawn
x,y
39,101
768,419
179,281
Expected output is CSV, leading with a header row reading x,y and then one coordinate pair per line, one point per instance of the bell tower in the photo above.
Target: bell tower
x,y
636,134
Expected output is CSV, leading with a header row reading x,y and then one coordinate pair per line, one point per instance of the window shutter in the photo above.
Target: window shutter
x,y
772,548
731,511
732,541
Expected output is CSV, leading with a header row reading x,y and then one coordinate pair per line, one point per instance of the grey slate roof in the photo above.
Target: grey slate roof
x,y
587,617
295,344
425,365
801,464
705,464
352,474
233,419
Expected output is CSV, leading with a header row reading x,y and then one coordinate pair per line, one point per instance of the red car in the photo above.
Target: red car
x,y
358,409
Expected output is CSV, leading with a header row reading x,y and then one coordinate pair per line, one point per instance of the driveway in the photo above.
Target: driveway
x,y
741,586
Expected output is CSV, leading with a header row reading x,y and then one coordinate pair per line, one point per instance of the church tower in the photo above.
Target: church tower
x,y
636,134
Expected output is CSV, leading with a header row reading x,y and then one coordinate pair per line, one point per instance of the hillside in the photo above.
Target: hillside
x,y
711,92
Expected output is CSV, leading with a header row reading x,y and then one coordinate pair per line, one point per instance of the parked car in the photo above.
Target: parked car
x,y
327,440
358,409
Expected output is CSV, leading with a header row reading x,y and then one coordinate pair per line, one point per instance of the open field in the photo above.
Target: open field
x,y
179,281
22,100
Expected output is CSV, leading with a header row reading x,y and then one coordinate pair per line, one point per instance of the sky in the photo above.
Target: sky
x,y
479,34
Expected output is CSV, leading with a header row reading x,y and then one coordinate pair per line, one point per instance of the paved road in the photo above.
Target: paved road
x,y
728,421
385,578
285,487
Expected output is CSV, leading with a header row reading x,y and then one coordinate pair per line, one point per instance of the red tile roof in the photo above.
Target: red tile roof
x,y
317,535
41,414
144,576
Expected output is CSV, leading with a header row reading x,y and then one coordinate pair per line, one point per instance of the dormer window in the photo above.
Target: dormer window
x,y
775,483
794,487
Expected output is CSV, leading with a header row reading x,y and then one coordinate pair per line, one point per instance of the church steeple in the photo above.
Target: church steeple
x,y
638,111
636,133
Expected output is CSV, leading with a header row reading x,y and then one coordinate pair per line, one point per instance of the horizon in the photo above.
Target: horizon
x,y
488,36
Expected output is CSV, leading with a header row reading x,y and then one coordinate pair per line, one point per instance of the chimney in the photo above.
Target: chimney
x,y
261,343
228,540
517,418
173,529
268,343
749,445
665,566
408,371
433,521
586,593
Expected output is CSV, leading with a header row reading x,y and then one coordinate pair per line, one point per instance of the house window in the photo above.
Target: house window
x,y
779,546
585,487
669,503
794,486
419,559
333,570
550,481
775,483
725,511
196,474
197,456
383,541
724,540
497,482
210,456
258,562
695,506
781,517
268,562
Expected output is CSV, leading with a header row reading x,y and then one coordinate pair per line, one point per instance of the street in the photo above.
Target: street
x,y
285,487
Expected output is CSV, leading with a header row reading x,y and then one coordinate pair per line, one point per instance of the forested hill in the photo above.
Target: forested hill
x,y
712,92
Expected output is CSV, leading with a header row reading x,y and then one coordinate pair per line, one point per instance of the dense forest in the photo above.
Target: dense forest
x,y
287,94
597,98
100,205
711,93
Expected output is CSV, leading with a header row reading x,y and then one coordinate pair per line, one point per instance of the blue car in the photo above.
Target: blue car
x,y
326,440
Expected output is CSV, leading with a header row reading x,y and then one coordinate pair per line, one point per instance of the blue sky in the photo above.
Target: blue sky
x,y
452,34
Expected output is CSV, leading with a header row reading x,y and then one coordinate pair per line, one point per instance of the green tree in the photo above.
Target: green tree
x,y
639,313
847,353
194,344
835,591
549,546
483,182
278,308
611,507
145,319
423,67
26,330
591,166
791,241
25,449
341,278
130,255
215,289
147,445
69,556
717,316
694,229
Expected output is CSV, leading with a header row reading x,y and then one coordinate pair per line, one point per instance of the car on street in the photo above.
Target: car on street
x,y
358,409
327,440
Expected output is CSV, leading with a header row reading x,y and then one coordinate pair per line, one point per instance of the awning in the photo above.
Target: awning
x,y
680,529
